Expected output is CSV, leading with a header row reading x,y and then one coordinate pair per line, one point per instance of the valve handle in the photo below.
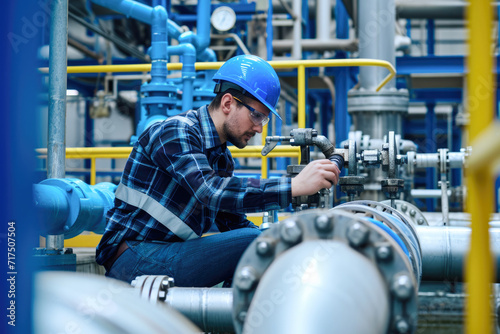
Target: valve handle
x,y
338,159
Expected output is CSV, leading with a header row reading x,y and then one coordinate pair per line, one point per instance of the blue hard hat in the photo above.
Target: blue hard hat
x,y
252,75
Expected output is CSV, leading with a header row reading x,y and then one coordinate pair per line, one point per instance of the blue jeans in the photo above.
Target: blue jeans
x,y
201,262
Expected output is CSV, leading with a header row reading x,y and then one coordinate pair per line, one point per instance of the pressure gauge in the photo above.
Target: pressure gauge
x,y
223,18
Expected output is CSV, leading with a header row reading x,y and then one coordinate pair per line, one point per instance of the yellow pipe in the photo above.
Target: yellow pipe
x,y
263,167
480,89
93,153
486,148
301,98
109,152
92,171
284,64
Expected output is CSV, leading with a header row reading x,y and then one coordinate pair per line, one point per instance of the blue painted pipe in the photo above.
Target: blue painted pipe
x,y
200,41
70,206
188,53
174,30
130,8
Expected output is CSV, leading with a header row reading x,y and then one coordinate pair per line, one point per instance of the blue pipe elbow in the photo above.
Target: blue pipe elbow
x,y
70,206
130,8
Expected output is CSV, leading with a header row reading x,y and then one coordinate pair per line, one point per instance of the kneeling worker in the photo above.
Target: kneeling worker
x,y
179,180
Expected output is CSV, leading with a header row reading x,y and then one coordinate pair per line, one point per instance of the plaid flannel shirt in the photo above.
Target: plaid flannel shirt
x,y
181,166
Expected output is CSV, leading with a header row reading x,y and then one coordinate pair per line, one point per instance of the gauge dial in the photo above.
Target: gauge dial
x,y
223,18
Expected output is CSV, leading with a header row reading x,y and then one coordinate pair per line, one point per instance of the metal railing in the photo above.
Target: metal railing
x,y
249,151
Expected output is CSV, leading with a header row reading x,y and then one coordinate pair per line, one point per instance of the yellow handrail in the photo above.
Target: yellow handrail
x,y
282,64
94,153
480,94
300,65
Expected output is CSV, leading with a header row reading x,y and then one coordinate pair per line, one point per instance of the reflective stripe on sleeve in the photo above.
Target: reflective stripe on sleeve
x,y
155,210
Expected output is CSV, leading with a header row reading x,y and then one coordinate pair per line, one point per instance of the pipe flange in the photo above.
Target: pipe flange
x,y
399,224
411,212
153,287
371,240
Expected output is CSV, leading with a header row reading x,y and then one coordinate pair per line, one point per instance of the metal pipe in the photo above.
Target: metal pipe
x,y
112,38
376,20
297,30
96,304
305,281
56,145
323,19
188,53
130,8
427,193
209,308
57,90
444,250
316,44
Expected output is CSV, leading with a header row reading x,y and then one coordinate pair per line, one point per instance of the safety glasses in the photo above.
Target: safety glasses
x,y
256,117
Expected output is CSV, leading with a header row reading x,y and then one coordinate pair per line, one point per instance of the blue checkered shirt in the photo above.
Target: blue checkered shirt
x,y
182,165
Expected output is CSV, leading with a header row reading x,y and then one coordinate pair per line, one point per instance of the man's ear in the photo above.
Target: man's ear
x,y
225,103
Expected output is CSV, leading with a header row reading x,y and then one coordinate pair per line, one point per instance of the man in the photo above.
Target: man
x,y
179,180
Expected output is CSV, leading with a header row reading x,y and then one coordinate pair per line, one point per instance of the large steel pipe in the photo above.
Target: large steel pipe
x,y
445,248
328,284
66,302
209,308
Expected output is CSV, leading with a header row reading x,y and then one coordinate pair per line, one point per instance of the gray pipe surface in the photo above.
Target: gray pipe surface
x,y
209,308
427,193
444,251
56,143
376,20
56,146
320,287
316,44
323,19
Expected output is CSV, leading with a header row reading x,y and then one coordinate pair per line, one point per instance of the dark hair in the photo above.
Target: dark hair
x,y
217,99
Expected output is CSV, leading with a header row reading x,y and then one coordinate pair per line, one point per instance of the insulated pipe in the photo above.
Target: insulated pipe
x,y
444,250
56,145
328,284
209,308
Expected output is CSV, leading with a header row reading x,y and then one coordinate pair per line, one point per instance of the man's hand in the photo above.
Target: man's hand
x,y
316,175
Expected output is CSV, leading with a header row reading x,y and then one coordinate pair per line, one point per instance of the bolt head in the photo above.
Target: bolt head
x,y
413,213
323,223
384,253
242,316
402,326
290,232
264,248
357,234
402,287
404,207
168,282
420,221
246,278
